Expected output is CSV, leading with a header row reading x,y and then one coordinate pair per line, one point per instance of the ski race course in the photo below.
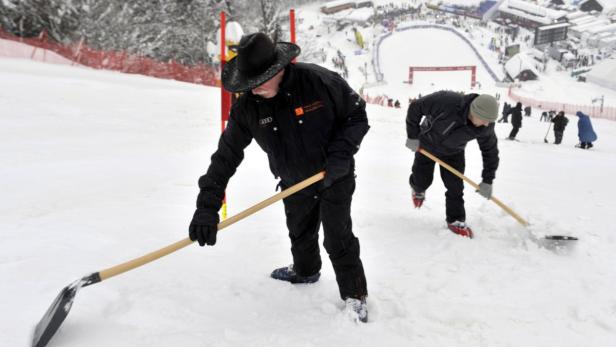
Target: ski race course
x,y
99,167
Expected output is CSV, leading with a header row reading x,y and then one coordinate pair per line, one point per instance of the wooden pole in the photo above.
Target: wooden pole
x,y
131,264
474,185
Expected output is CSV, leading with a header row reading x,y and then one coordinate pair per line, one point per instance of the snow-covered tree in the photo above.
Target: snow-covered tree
x,y
269,11
59,18
161,29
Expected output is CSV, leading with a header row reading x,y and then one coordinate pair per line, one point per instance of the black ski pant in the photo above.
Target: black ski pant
x,y
423,174
514,132
558,136
306,210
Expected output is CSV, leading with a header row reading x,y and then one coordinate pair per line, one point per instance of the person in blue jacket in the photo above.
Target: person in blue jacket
x,y
586,133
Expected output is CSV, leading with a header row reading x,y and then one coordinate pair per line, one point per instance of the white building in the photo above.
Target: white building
x,y
521,67
578,30
528,14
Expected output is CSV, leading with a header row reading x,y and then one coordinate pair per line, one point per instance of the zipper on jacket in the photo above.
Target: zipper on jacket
x,y
449,127
431,122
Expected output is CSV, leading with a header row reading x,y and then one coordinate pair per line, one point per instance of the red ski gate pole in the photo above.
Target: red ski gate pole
x,y
225,96
292,26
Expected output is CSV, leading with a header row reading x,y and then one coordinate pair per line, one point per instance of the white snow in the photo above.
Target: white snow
x,y
604,73
400,51
608,5
359,15
98,167
234,32
12,49
336,3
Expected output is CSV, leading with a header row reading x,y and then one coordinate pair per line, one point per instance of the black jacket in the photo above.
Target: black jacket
x,y
560,122
506,108
315,122
516,115
446,129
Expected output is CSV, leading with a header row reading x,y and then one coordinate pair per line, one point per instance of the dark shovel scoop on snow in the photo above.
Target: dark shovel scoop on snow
x,y
57,312
545,139
558,243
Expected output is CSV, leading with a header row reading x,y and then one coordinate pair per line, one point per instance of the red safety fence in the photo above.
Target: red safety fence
x,y
383,100
81,54
376,100
594,111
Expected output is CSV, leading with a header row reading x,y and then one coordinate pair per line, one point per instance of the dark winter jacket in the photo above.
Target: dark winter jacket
x,y
315,122
506,108
516,115
585,130
560,122
446,129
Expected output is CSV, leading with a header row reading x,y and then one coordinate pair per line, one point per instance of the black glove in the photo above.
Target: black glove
x,y
204,226
334,170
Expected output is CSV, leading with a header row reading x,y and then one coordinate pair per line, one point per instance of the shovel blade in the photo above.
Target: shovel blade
x,y
561,238
559,243
57,312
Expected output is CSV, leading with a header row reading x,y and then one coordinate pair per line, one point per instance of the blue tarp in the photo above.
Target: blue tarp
x,y
485,6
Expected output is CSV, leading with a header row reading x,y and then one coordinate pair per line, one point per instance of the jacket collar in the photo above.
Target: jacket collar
x,y
288,79
465,105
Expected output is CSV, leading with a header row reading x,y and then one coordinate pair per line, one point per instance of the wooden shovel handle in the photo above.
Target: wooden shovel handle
x,y
131,264
474,185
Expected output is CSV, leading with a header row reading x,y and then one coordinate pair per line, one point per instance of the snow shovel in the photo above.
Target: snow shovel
x,y
57,312
555,240
545,139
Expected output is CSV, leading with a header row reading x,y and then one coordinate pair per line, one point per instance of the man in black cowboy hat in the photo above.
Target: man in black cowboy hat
x,y
307,119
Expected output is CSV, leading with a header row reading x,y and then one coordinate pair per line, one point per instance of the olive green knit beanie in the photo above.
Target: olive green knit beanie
x,y
485,107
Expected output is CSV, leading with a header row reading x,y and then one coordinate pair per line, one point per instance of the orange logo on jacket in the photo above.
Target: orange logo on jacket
x,y
313,106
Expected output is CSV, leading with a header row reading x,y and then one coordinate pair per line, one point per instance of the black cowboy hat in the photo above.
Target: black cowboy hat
x,y
258,60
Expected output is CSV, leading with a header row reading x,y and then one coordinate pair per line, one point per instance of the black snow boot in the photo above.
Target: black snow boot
x,y
357,309
289,275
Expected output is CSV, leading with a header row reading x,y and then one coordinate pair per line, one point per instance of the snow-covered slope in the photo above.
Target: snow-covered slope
x,y
100,167
13,49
